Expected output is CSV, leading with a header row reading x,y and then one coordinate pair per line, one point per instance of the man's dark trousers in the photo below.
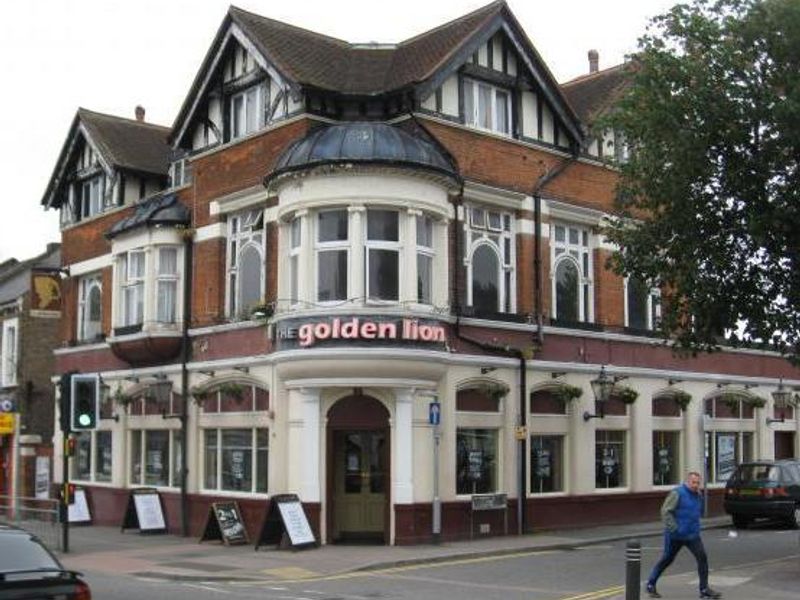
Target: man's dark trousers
x,y
671,549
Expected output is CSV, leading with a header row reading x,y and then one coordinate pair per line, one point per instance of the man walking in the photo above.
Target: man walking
x,y
681,515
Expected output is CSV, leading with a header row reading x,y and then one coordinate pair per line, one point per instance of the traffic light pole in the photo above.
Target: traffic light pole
x,y
64,504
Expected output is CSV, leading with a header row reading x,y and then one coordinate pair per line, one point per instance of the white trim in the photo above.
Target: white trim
x,y
90,265
579,215
238,200
210,232
349,382
495,196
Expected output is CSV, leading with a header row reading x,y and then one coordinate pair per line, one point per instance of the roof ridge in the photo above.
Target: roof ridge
x,y
235,9
486,8
83,111
588,76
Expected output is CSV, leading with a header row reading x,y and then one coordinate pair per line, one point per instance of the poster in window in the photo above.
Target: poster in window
x,y
726,456
42,484
237,464
475,465
664,461
543,463
154,462
609,460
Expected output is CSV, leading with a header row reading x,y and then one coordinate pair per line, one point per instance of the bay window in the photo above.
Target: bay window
x,y
332,255
295,240
132,283
425,255
166,284
383,255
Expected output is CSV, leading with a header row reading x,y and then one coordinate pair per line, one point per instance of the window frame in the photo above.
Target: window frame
x,y
395,246
89,438
652,308
87,285
9,352
425,251
478,231
473,100
254,458
338,245
246,230
162,279
496,469
258,106
174,448
584,261
623,462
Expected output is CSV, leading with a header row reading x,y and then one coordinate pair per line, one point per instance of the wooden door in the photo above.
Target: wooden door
x,y
360,485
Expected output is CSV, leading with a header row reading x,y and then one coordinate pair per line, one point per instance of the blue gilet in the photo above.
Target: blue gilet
x,y
687,514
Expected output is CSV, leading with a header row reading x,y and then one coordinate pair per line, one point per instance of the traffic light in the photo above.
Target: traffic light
x,y
65,403
68,493
70,443
85,398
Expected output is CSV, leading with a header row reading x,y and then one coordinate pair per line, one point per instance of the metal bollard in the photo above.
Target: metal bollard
x,y
633,569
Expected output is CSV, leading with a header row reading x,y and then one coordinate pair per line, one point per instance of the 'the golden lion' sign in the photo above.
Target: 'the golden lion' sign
x,y
45,291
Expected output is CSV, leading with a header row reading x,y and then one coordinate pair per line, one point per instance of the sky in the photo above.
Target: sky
x,y
110,55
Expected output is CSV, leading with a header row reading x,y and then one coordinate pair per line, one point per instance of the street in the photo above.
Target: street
x,y
759,563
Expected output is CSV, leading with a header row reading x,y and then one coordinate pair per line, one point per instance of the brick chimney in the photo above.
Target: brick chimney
x,y
594,61
139,113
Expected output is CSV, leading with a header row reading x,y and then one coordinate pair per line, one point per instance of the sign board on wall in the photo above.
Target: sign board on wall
x,y
361,331
8,422
42,481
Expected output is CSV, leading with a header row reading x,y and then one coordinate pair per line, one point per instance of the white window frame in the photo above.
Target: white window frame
x,y
389,245
426,251
478,232
218,489
130,282
180,173
167,279
473,105
9,356
173,459
86,286
93,468
91,196
250,121
246,230
335,245
582,256
295,260
653,308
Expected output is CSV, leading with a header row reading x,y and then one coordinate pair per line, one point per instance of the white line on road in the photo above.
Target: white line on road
x,y
206,587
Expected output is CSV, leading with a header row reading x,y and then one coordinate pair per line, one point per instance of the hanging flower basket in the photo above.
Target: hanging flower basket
x,y
756,401
567,393
626,394
682,399
121,398
200,396
232,390
731,400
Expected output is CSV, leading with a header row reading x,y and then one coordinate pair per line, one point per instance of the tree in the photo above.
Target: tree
x,y
709,199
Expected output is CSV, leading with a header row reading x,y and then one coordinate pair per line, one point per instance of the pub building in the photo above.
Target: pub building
x,y
344,262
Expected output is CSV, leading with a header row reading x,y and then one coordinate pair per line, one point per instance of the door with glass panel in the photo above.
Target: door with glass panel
x,y
360,480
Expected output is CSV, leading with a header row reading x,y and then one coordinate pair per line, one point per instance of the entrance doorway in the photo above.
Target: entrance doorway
x,y
784,444
358,471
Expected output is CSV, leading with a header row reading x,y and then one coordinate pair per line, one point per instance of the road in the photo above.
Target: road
x,y
762,563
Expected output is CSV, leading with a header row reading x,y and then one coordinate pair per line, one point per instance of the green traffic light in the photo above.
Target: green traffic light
x,y
84,420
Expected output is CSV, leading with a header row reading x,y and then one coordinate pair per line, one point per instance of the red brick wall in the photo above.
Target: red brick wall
x,y
87,239
609,295
208,282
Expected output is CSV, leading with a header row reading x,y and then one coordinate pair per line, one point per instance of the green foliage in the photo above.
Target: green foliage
x,y
232,390
756,401
567,393
682,399
626,394
709,202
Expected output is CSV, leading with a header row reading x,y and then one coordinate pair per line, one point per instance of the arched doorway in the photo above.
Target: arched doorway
x,y
358,470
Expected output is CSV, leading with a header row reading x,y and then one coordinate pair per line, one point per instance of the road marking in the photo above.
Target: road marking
x,y
206,587
597,594
291,573
463,561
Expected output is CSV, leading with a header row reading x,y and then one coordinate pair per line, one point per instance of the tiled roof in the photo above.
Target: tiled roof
x,y
128,144
317,60
15,276
590,95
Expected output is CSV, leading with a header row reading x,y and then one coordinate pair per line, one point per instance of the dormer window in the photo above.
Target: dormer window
x,y
247,111
91,196
180,173
487,107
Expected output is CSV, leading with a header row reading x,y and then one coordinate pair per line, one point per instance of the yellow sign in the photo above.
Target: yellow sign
x,y
520,432
7,423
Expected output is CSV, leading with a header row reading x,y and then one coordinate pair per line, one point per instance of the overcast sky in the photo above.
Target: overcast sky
x,y
110,55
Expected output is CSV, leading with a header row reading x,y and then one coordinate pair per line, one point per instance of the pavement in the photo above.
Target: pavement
x,y
168,557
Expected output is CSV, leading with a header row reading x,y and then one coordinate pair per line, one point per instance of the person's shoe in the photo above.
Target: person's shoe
x,y
651,591
709,593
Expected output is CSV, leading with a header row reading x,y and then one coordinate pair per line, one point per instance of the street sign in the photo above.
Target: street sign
x,y
434,413
6,404
7,423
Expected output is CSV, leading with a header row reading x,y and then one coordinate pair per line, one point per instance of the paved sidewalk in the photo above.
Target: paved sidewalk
x,y
106,549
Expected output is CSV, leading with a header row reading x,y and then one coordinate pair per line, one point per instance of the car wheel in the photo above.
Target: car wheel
x,y
740,522
794,518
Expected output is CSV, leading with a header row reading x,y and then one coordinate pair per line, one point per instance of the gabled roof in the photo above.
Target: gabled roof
x,y
307,59
591,95
120,143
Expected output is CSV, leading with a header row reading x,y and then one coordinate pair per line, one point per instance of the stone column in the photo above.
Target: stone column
x,y
402,450
307,444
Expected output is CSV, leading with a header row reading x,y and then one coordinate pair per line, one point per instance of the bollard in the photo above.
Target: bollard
x,y
633,569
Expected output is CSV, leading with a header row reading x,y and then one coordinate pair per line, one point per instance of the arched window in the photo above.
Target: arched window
x,y
90,309
246,243
250,272
485,279
567,282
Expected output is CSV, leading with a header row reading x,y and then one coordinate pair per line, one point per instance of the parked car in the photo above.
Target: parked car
x,y
764,489
29,570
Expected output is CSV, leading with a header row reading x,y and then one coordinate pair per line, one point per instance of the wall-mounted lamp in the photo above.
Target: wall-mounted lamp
x,y
485,370
782,397
602,387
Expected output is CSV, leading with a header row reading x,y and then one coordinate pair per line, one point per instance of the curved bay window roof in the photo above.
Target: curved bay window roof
x,y
158,210
362,143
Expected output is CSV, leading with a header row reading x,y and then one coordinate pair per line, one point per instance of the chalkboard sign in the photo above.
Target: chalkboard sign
x,y
144,512
224,522
78,512
285,522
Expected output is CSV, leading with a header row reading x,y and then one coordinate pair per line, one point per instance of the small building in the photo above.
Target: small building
x,y
345,261
30,312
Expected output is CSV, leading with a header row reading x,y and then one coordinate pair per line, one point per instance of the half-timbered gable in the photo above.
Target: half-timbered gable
x,y
106,162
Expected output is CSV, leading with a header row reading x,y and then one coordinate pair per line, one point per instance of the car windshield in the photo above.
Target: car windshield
x,y
22,552
757,473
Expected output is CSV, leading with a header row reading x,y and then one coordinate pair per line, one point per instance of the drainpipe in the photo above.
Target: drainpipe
x,y
185,351
495,349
